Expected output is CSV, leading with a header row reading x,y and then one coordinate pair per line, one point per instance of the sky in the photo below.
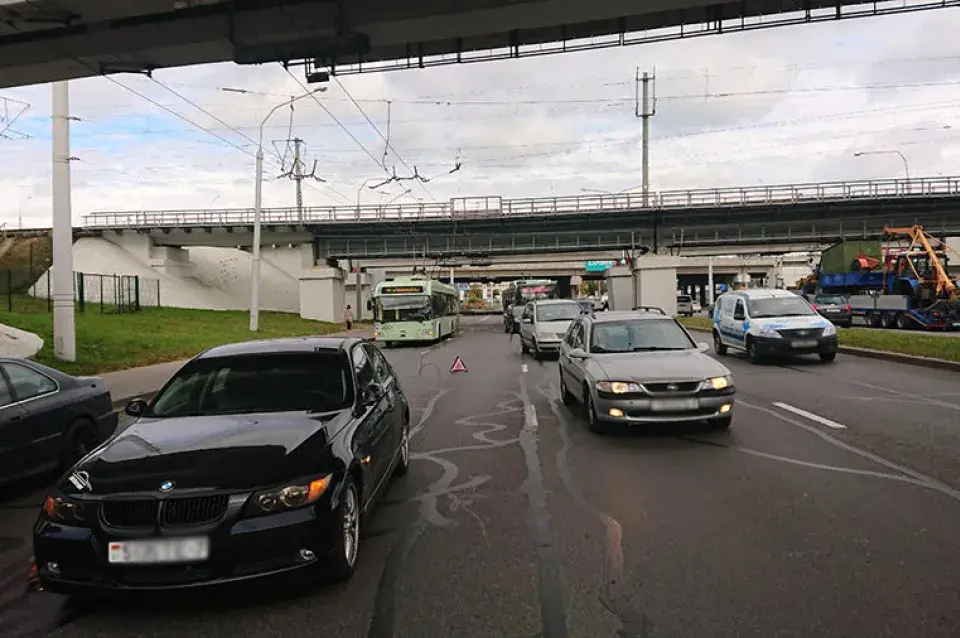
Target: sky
x,y
777,106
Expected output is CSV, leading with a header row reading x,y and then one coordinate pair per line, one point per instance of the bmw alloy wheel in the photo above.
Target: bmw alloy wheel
x,y
351,524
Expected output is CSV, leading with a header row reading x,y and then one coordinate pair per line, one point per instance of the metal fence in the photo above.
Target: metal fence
x,y
22,291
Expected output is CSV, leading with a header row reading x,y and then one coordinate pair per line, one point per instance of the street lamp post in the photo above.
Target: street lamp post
x,y
258,213
893,151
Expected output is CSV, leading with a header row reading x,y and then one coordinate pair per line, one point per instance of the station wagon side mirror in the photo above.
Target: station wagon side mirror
x,y
702,347
579,353
739,315
136,408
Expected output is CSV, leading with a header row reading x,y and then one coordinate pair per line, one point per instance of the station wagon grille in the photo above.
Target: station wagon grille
x,y
172,512
671,387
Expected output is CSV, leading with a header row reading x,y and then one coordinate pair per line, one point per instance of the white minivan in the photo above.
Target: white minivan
x,y
771,322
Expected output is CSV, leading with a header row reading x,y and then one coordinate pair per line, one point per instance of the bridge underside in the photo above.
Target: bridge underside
x,y
809,225
49,40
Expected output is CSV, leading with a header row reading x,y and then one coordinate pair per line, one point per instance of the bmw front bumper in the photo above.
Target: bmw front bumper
x,y
73,560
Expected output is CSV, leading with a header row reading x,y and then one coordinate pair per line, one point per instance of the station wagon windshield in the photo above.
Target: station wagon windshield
x,y
638,336
558,312
780,307
297,382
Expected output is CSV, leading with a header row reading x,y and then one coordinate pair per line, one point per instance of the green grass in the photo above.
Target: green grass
x,y
108,342
913,343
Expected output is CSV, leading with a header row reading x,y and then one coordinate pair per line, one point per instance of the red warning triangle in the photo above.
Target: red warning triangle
x,y
458,365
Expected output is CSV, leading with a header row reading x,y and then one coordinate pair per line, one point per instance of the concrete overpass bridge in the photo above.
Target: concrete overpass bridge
x,y
681,222
49,40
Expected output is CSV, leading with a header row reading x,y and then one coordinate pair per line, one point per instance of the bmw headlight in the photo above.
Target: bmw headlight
x,y
830,330
769,334
58,509
718,383
288,497
618,387
546,336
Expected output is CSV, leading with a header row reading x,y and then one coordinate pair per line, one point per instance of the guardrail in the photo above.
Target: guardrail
x,y
486,207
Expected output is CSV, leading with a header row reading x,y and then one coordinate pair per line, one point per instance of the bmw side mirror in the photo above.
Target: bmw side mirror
x,y
136,408
579,353
702,347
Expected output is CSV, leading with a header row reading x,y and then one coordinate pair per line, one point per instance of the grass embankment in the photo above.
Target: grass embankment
x,y
912,343
108,342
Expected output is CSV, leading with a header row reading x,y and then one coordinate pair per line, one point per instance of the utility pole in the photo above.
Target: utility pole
x,y
646,107
296,173
64,330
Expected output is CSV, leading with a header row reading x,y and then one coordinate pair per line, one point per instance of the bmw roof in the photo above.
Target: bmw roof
x,y
280,346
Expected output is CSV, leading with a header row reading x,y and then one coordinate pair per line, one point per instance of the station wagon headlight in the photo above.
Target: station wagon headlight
x,y
718,383
618,387
769,334
59,510
289,497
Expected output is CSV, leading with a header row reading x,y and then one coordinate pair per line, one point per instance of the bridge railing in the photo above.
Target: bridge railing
x,y
474,208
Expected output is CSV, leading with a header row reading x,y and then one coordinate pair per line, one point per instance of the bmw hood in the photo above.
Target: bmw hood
x,y
208,452
647,367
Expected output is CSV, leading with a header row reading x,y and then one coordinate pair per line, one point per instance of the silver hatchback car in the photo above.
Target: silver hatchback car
x,y
642,368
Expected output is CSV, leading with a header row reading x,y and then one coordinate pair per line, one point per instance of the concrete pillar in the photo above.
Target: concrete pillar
x,y
655,280
350,293
321,294
620,288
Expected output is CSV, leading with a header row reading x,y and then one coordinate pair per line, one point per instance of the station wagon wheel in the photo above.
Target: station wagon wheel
x,y
343,560
593,423
568,399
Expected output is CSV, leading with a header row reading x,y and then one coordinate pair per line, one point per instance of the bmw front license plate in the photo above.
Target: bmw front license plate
x,y
806,343
674,405
173,550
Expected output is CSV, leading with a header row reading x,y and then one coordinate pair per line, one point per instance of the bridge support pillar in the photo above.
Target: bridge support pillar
x,y
620,288
167,260
321,294
350,293
655,282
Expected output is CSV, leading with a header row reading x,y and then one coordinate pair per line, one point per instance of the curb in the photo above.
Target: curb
x,y
882,355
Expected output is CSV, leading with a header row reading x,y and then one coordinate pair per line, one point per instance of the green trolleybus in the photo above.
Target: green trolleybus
x,y
415,309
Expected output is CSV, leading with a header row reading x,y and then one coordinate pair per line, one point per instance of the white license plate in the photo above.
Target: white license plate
x,y
832,309
806,343
147,552
674,405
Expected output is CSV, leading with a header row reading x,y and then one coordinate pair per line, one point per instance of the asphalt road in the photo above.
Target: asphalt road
x,y
831,508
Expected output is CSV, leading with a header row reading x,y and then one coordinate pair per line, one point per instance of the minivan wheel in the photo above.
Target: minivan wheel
x,y
718,346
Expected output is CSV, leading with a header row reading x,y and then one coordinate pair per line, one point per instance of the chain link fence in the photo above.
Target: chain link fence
x,y
23,291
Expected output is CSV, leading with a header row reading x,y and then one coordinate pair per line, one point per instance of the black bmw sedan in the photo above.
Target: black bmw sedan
x,y
255,459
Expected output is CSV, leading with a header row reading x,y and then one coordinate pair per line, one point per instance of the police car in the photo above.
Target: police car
x,y
770,323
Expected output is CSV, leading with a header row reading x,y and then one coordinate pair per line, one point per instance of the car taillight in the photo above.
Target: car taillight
x,y
816,307
847,308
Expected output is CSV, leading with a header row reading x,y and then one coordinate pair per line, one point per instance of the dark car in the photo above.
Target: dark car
x,y
642,368
256,459
49,419
835,308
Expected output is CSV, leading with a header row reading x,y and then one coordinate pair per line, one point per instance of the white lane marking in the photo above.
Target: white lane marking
x,y
523,368
816,418
908,395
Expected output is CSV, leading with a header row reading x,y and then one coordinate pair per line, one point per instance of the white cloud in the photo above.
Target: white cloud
x,y
783,105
